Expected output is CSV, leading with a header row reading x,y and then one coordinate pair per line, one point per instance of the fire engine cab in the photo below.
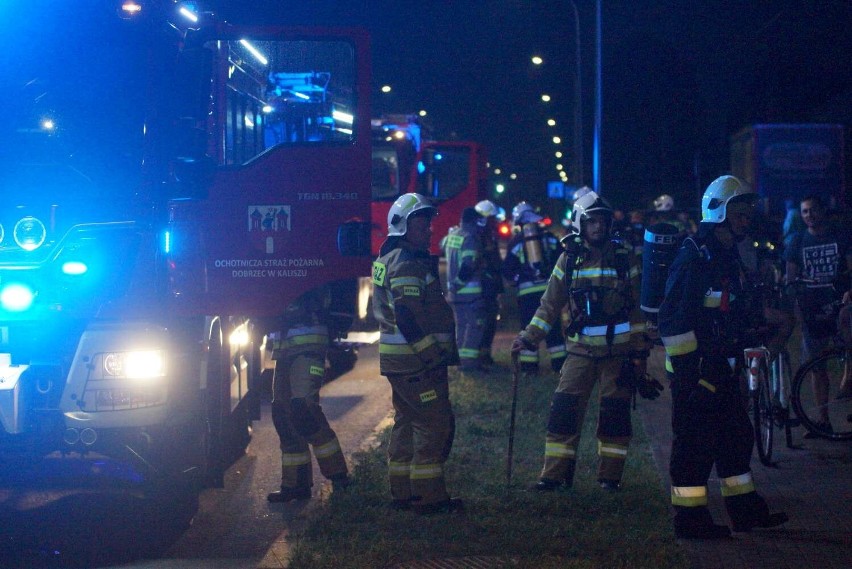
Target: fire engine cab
x,y
170,184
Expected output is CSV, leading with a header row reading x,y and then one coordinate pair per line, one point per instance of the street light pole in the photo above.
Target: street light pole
x,y
596,159
578,103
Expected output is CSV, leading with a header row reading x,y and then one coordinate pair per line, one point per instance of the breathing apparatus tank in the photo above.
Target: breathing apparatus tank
x,y
532,244
658,253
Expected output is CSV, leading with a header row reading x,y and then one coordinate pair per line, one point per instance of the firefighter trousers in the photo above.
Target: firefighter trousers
x,y
555,341
422,436
470,320
489,327
299,421
710,428
568,410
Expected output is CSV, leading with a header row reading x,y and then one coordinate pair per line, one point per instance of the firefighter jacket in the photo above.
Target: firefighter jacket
x,y
464,250
416,325
706,311
305,325
601,290
492,279
528,277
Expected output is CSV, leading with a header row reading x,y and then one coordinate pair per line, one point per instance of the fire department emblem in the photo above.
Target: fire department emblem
x,y
269,218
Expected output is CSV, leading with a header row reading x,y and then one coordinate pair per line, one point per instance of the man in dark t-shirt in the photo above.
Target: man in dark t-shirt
x,y
823,256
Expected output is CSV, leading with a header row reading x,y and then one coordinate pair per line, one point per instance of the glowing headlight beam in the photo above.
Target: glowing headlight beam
x,y
135,365
74,268
254,51
16,297
188,14
343,117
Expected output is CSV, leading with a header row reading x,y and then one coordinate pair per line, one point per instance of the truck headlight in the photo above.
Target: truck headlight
x,y
29,233
136,364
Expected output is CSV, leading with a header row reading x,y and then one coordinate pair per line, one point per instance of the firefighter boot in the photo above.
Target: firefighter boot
x,y
287,494
696,523
550,485
750,510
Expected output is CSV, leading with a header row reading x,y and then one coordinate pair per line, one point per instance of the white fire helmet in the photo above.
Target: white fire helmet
x,y
722,190
487,208
404,206
524,213
580,192
664,203
586,204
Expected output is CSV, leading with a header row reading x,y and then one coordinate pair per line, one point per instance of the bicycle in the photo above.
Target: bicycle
x,y
824,404
768,388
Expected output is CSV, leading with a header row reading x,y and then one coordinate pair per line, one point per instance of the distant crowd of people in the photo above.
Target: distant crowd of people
x,y
582,294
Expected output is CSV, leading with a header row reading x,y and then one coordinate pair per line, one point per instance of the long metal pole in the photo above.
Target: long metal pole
x,y
596,159
579,175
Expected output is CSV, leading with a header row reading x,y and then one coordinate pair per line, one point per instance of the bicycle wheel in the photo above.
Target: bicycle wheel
x,y
815,395
780,376
761,409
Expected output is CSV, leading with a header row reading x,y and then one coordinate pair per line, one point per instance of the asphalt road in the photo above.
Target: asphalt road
x,y
63,512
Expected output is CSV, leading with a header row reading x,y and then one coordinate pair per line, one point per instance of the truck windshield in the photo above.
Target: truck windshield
x,y
72,120
287,92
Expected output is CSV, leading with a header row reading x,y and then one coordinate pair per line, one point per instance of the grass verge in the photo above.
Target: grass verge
x,y
583,527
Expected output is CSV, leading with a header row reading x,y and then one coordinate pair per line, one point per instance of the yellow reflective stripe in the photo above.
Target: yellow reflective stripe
x,y
680,344
399,469
295,459
669,367
557,273
402,281
595,272
539,323
707,385
528,357
468,353
328,449
426,471
470,288
736,485
634,272
303,340
303,330
689,496
599,340
530,288
612,450
559,450
619,328
713,299
424,343
638,327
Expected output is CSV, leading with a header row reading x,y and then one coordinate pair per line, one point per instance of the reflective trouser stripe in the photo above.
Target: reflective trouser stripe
x,y
468,353
612,450
328,449
399,469
528,357
689,496
295,459
559,450
426,471
736,485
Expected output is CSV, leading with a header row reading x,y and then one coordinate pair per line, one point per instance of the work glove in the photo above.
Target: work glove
x,y
648,387
633,377
521,343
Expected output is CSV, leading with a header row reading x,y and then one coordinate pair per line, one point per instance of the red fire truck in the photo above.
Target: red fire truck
x,y
453,174
170,183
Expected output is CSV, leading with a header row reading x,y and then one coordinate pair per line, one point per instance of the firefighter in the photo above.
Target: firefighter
x,y
598,279
492,280
703,321
530,258
296,412
465,252
417,343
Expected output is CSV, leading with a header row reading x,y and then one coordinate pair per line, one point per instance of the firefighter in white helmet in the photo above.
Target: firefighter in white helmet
x,y
598,280
417,343
703,321
530,257
492,281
